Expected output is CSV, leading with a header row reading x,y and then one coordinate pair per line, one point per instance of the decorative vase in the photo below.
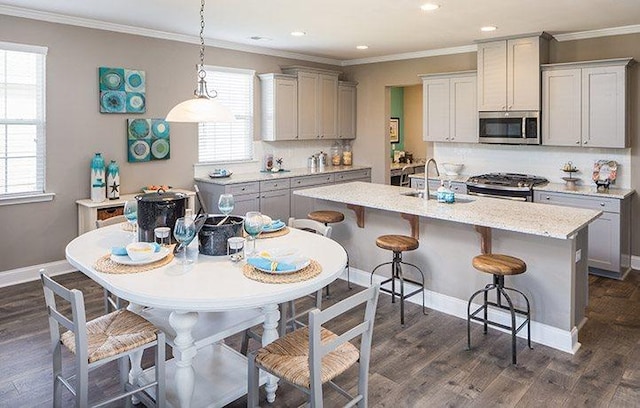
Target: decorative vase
x,y
113,181
98,190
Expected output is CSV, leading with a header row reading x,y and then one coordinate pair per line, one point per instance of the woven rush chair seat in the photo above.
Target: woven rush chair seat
x,y
288,357
326,216
397,243
497,264
113,334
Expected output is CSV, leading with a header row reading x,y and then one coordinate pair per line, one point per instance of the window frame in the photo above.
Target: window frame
x,y
250,137
40,194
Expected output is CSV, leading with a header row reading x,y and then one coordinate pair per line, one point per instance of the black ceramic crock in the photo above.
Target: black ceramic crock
x,y
160,209
213,238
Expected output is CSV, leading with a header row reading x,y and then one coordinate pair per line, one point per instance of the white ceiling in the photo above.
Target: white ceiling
x,y
335,27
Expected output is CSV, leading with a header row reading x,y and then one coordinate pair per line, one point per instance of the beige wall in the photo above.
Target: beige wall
x,y
413,142
38,233
76,129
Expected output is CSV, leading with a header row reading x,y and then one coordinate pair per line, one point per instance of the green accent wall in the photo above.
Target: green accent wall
x,y
397,111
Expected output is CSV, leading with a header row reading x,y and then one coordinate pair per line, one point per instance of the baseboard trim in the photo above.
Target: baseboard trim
x,y
30,273
563,340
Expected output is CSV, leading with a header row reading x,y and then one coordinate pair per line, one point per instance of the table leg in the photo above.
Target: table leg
x,y
184,352
135,358
270,334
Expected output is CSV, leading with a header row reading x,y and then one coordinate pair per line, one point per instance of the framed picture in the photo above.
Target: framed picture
x,y
394,130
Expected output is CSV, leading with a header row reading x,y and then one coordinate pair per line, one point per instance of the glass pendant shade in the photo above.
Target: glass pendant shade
x,y
200,110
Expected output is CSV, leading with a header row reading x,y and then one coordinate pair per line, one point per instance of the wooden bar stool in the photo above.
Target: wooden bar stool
x,y
499,266
399,244
330,217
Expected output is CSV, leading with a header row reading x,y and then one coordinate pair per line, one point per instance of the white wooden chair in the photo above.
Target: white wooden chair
x,y
111,301
114,336
312,356
288,316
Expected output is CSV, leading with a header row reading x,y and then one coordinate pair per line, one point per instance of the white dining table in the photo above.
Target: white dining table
x,y
212,290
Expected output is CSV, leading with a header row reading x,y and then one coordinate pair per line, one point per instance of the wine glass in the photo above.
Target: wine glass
x,y
184,231
225,205
253,223
131,214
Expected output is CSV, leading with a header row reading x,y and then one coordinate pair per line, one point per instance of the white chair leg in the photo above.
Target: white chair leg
x,y
160,371
253,390
123,365
82,387
57,371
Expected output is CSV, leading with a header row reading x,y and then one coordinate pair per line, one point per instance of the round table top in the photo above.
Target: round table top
x,y
210,284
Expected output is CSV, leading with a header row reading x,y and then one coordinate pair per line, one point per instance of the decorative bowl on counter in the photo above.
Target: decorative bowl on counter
x,y
452,169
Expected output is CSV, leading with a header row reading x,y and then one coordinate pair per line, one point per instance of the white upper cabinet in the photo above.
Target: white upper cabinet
x,y
279,95
449,104
317,102
586,104
346,110
509,73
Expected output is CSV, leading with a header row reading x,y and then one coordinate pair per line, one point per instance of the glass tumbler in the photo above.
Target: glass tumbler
x,y
235,248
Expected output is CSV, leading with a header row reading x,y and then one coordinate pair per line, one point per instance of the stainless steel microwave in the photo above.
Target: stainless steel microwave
x,y
513,127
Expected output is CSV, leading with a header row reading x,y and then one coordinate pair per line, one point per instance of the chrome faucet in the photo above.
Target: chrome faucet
x,y
426,176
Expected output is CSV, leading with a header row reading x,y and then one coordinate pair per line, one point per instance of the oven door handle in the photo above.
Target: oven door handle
x,y
497,196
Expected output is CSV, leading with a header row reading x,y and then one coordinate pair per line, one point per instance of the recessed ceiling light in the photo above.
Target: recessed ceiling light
x,y
488,28
298,33
429,7
362,47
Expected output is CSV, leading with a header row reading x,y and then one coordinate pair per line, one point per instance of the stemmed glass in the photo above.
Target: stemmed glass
x,y
253,223
225,205
131,214
184,231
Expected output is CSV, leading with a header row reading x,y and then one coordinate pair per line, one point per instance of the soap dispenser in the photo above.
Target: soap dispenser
x,y
441,193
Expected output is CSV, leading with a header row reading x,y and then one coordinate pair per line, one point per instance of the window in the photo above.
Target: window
x,y
22,147
226,142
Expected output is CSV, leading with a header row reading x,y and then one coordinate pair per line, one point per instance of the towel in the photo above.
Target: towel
x,y
268,264
275,224
122,251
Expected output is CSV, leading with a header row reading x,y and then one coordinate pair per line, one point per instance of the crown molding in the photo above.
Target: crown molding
x,y
412,55
604,32
163,35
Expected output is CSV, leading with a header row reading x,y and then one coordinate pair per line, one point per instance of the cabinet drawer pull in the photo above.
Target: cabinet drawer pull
x,y
548,198
585,142
602,204
577,142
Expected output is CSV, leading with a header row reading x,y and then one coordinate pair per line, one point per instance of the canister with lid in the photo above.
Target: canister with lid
x,y
347,157
336,154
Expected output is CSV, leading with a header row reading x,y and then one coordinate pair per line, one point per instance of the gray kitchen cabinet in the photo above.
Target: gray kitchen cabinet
x,y
317,102
609,235
346,110
275,199
246,196
434,184
509,73
301,206
449,107
353,175
586,104
279,100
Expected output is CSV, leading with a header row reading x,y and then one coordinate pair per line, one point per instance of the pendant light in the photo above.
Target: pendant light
x,y
204,107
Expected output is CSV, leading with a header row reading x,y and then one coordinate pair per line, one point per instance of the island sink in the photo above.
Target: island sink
x,y
421,193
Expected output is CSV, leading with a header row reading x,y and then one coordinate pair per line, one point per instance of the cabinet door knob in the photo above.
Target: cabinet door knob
x,y
547,198
577,142
509,107
602,204
453,138
504,107
585,142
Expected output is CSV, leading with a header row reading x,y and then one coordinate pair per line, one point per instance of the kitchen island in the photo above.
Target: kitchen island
x,y
552,240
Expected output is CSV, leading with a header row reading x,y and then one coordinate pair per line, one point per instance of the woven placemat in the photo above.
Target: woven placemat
x,y
128,227
274,234
304,274
106,265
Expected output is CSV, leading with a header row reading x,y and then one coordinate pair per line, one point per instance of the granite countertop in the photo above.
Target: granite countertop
x,y
458,179
237,178
532,218
590,190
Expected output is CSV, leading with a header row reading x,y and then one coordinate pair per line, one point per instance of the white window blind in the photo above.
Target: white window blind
x,y
227,142
22,119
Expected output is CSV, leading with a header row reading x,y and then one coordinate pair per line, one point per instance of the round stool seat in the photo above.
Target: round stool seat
x,y
326,217
397,243
497,264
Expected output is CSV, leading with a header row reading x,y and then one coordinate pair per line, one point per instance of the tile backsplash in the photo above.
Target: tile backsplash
x,y
294,155
545,161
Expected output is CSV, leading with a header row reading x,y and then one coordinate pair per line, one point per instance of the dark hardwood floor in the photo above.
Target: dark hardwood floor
x,y
424,364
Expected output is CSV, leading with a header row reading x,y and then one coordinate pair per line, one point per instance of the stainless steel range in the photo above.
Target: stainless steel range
x,y
504,185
